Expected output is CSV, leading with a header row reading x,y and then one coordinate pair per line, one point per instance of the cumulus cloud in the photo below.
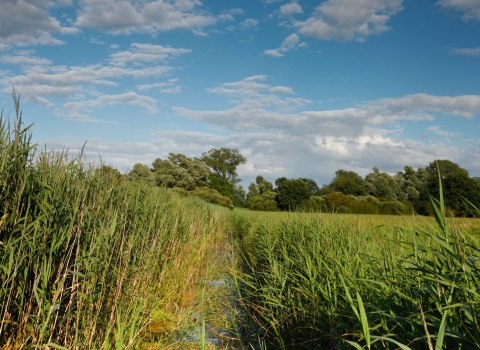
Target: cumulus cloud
x,y
249,23
290,9
143,53
279,134
288,44
474,51
470,8
346,20
121,16
29,22
130,98
436,130
25,60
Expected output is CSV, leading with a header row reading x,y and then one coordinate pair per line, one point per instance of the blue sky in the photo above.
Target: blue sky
x,y
302,88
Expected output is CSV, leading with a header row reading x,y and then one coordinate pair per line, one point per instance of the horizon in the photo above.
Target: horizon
x,y
301,88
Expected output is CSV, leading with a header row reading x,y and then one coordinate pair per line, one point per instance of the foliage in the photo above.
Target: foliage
x,y
181,171
291,193
142,173
239,197
348,182
224,162
212,196
263,202
86,259
332,282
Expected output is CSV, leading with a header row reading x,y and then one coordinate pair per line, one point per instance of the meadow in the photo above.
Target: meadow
x,y
91,260
368,282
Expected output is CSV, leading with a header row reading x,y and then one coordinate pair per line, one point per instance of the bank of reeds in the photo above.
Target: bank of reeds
x,y
87,258
344,282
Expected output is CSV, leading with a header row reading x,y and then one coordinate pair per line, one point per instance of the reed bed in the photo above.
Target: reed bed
x,y
317,281
89,259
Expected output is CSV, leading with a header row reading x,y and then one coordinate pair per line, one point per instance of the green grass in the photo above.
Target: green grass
x,y
340,281
90,260
87,258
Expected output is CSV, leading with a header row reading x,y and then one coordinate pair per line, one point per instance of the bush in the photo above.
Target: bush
x,y
181,192
212,196
264,202
392,208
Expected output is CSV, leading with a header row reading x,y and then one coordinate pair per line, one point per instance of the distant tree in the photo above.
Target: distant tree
x,y
222,185
456,184
336,200
181,171
253,190
224,162
108,171
382,185
291,193
264,202
239,197
263,185
211,196
348,182
312,186
141,173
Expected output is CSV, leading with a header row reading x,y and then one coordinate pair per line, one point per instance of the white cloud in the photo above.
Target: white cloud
x,y
28,22
291,9
97,41
273,53
121,16
145,53
281,90
249,23
25,60
346,20
130,98
289,43
436,129
235,11
470,8
474,51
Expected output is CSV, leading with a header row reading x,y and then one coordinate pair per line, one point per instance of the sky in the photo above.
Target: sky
x,y
301,88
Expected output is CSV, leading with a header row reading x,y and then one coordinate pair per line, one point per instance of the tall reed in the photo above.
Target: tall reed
x,y
87,257
333,282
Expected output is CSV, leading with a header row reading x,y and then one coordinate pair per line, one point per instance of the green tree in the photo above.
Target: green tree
x,y
264,202
348,182
291,193
382,185
336,200
181,171
456,184
224,162
239,197
312,186
141,173
263,185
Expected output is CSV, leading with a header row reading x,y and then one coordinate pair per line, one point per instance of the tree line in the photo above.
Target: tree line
x,y
214,178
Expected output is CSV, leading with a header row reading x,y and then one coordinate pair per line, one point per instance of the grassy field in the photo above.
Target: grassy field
x,y
90,260
323,281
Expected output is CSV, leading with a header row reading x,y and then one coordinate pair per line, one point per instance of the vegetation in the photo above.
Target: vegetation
x,y
343,282
89,259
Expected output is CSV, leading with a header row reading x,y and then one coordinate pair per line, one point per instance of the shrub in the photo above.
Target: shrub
x,y
212,196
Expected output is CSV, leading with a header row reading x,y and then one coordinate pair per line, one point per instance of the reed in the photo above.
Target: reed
x,y
333,282
87,258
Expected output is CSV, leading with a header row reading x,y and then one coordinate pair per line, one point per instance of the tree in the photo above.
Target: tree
x,y
239,197
382,185
141,173
181,171
224,162
291,193
312,186
263,185
336,200
456,184
348,182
